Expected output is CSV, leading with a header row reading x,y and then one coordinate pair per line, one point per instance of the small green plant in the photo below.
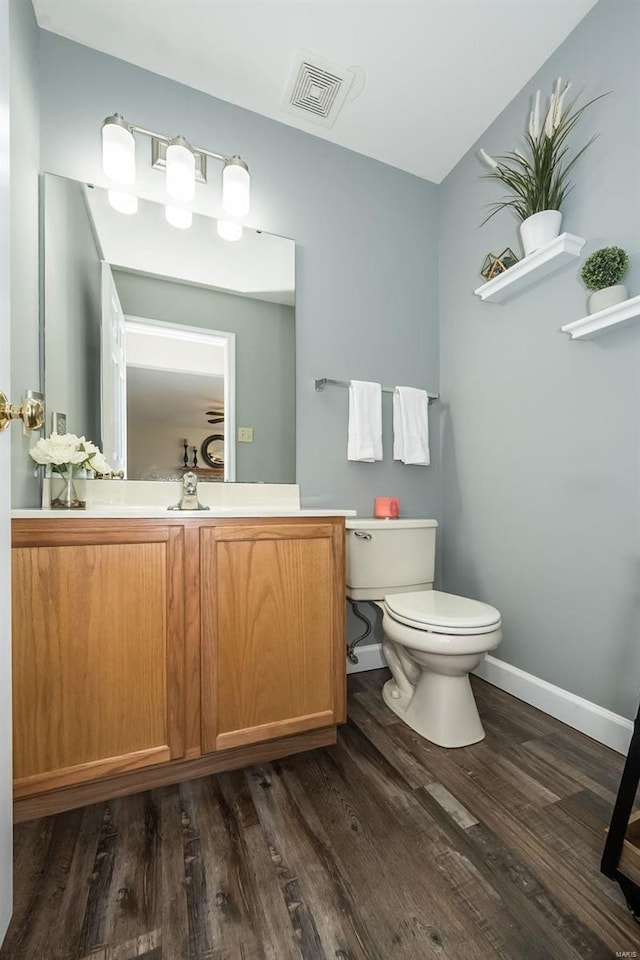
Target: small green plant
x,y
604,268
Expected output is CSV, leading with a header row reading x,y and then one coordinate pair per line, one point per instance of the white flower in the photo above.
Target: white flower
x,y
58,449
535,127
98,463
88,447
68,451
488,160
548,123
559,103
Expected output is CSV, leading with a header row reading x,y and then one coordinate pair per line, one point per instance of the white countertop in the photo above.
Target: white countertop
x,y
155,513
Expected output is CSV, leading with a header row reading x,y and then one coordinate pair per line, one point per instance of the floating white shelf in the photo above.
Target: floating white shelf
x,y
620,315
546,260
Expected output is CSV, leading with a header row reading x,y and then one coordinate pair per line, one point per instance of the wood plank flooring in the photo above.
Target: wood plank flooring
x,y
383,847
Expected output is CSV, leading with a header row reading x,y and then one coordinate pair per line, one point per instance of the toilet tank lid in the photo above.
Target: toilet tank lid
x,y
373,523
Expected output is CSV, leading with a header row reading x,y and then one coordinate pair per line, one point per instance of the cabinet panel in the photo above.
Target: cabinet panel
x,y
272,631
98,658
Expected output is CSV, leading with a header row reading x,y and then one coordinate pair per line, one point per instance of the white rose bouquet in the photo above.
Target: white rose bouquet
x,y
67,454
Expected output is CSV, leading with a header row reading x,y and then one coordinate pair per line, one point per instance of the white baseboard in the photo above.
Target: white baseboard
x,y
597,722
369,658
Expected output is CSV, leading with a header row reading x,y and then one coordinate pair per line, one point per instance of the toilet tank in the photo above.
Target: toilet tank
x,y
389,556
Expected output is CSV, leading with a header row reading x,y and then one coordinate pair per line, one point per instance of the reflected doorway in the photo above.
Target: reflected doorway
x,y
176,378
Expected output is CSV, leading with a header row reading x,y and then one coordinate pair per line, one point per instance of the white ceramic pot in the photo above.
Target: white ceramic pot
x,y
607,297
540,229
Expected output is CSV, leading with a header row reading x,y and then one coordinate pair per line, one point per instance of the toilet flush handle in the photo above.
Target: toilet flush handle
x,y
362,535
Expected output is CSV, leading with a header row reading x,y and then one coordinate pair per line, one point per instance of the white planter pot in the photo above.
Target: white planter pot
x,y
539,230
607,297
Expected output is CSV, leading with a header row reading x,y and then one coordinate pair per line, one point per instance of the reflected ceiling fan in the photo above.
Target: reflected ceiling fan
x,y
218,416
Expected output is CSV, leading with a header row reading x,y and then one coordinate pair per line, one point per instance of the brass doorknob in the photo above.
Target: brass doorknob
x,y
30,411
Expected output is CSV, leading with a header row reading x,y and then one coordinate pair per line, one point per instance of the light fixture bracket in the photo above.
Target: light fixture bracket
x,y
159,158
117,120
236,161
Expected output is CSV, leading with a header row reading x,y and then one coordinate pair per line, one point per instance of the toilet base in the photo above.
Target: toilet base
x,y
441,709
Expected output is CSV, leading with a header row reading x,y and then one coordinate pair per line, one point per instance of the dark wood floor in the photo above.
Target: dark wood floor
x,y
383,847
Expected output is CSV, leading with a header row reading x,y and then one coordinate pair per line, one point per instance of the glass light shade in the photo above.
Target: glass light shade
x,y
118,151
181,171
228,230
236,187
123,202
179,217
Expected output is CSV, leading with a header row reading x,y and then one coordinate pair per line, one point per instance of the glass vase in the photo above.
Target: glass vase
x,y
68,490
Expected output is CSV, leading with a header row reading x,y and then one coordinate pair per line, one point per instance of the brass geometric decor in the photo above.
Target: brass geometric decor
x,y
495,264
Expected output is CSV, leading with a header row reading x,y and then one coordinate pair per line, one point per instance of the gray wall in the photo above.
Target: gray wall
x,y
265,363
72,308
541,435
366,254
25,353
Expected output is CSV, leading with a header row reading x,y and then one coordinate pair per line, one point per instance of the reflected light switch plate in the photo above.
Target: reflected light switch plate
x,y
59,423
245,434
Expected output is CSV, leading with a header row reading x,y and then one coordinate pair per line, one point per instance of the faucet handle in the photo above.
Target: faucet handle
x,y
190,483
189,499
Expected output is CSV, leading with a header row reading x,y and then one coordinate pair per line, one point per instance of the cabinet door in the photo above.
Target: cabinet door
x,y
273,655
97,651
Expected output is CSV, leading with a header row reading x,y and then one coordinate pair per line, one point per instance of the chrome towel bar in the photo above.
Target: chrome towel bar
x,y
326,382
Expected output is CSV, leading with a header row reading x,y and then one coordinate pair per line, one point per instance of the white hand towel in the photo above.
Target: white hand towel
x,y
411,426
365,421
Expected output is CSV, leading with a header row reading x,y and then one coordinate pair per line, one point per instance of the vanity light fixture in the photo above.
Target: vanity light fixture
x,y
183,162
236,186
181,171
123,202
229,230
118,150
180,217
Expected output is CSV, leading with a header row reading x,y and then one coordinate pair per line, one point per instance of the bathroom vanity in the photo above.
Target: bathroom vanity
x,y
151,649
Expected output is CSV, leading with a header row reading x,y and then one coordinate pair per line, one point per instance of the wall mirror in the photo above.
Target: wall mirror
x,y
171,348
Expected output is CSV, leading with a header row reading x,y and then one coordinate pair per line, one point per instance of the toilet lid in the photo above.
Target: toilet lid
x,y
442,612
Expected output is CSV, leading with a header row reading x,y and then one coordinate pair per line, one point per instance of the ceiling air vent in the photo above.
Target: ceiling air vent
x,y
317,89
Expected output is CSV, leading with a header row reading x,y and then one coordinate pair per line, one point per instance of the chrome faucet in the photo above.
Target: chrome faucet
x,y
189,499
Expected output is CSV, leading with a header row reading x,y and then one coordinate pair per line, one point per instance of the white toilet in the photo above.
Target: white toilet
x,y
432,640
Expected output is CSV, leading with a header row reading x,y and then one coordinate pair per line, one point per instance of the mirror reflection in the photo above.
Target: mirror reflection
x,y
171,348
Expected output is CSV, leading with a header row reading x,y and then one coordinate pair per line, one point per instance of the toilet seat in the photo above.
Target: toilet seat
x,y
444,613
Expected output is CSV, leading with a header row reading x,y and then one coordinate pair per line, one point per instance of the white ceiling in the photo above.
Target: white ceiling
x,y
436,72
151,349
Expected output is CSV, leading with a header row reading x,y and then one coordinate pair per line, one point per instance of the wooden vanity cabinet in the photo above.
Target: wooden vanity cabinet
x,y
150,651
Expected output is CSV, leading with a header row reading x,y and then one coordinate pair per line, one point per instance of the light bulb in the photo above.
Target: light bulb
x,y
236,186
178,217
123,202
181,171
118,150
228,230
